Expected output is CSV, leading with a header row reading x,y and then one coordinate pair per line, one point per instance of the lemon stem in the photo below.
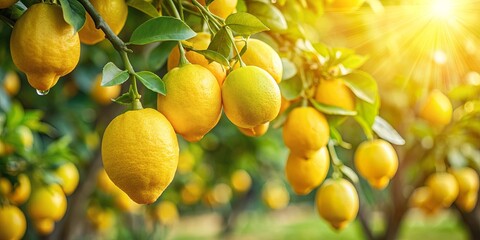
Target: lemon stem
x,y
239,58
216,21
336,163
183,59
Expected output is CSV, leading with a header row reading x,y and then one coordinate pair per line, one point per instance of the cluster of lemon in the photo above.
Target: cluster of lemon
x,y
46,203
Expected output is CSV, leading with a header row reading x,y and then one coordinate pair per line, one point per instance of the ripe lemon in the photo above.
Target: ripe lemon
x,y
104,183
257,131
11,83
241,181
468,185
47,202
104,95
101,219
69,177
20,193
221,8
263,56
140,154
436,109
7,3
251,97
44,226
166,213
305,131
335,93
305,174
13,223
337,202
342,5
422,198
275,196
444,188
192,192
44,46
193,103
377,162
186,161
114,12
199,42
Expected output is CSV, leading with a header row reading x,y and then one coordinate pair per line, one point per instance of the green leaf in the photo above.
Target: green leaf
x,y
289,69
367,113
245,24
362,85
384,130
125,99
213,56
161,29
221,42
152,81
322,49
15,116
331,110
354,61
112,75
349,173
268,14
159,55
144,7
291,88
73,13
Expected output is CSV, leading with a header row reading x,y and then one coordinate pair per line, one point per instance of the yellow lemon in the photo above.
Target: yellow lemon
x,y
186,161
193,103
101,219
422,198
221,8
69,177
140,154
104,183
468,185
241,181
436,109
256,131
20,193
13,223
104,95
305,131
444,188
44,46
191,192
47,202
114,12
11,83
44,226
275,196
305,174
251,97
335,93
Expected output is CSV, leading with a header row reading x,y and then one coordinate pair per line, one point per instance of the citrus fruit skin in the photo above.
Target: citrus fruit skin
x,y
140,154
468,185
104,95
47,202
221,8
436,109
69,177
257,131
13,223
251,97
337,202
260,54
241,181
7,3
11,83
199,42
275,196
305,174
376,161
193,103
305,131
444,188
335,93
44,46
20,193
342,5
113,12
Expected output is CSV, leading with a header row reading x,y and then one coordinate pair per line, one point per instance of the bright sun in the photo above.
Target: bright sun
x,y
442,8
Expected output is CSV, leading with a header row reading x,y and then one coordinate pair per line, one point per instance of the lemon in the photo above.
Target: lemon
x,y
335,93
69,177
256,131
251,97
436,109
305,174
47,202
104,183
193,103
199,42
123,202
113,12
186,161
221,8
422,198
140,154
44,46
275,196
104,95
18,194
44,226
241,181
444,188
191,192
305,131
377,161
13,223
11,83
101,219
337,202
166,213
468,185
260,54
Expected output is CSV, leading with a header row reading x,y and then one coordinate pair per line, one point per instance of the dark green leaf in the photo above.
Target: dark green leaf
x,y
144,7
291,88
221,42
268,14
112,75
384,130
73,13
159,55
362,85
213,56
152,81
245,24
124,99
332,110
289,69
161,29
